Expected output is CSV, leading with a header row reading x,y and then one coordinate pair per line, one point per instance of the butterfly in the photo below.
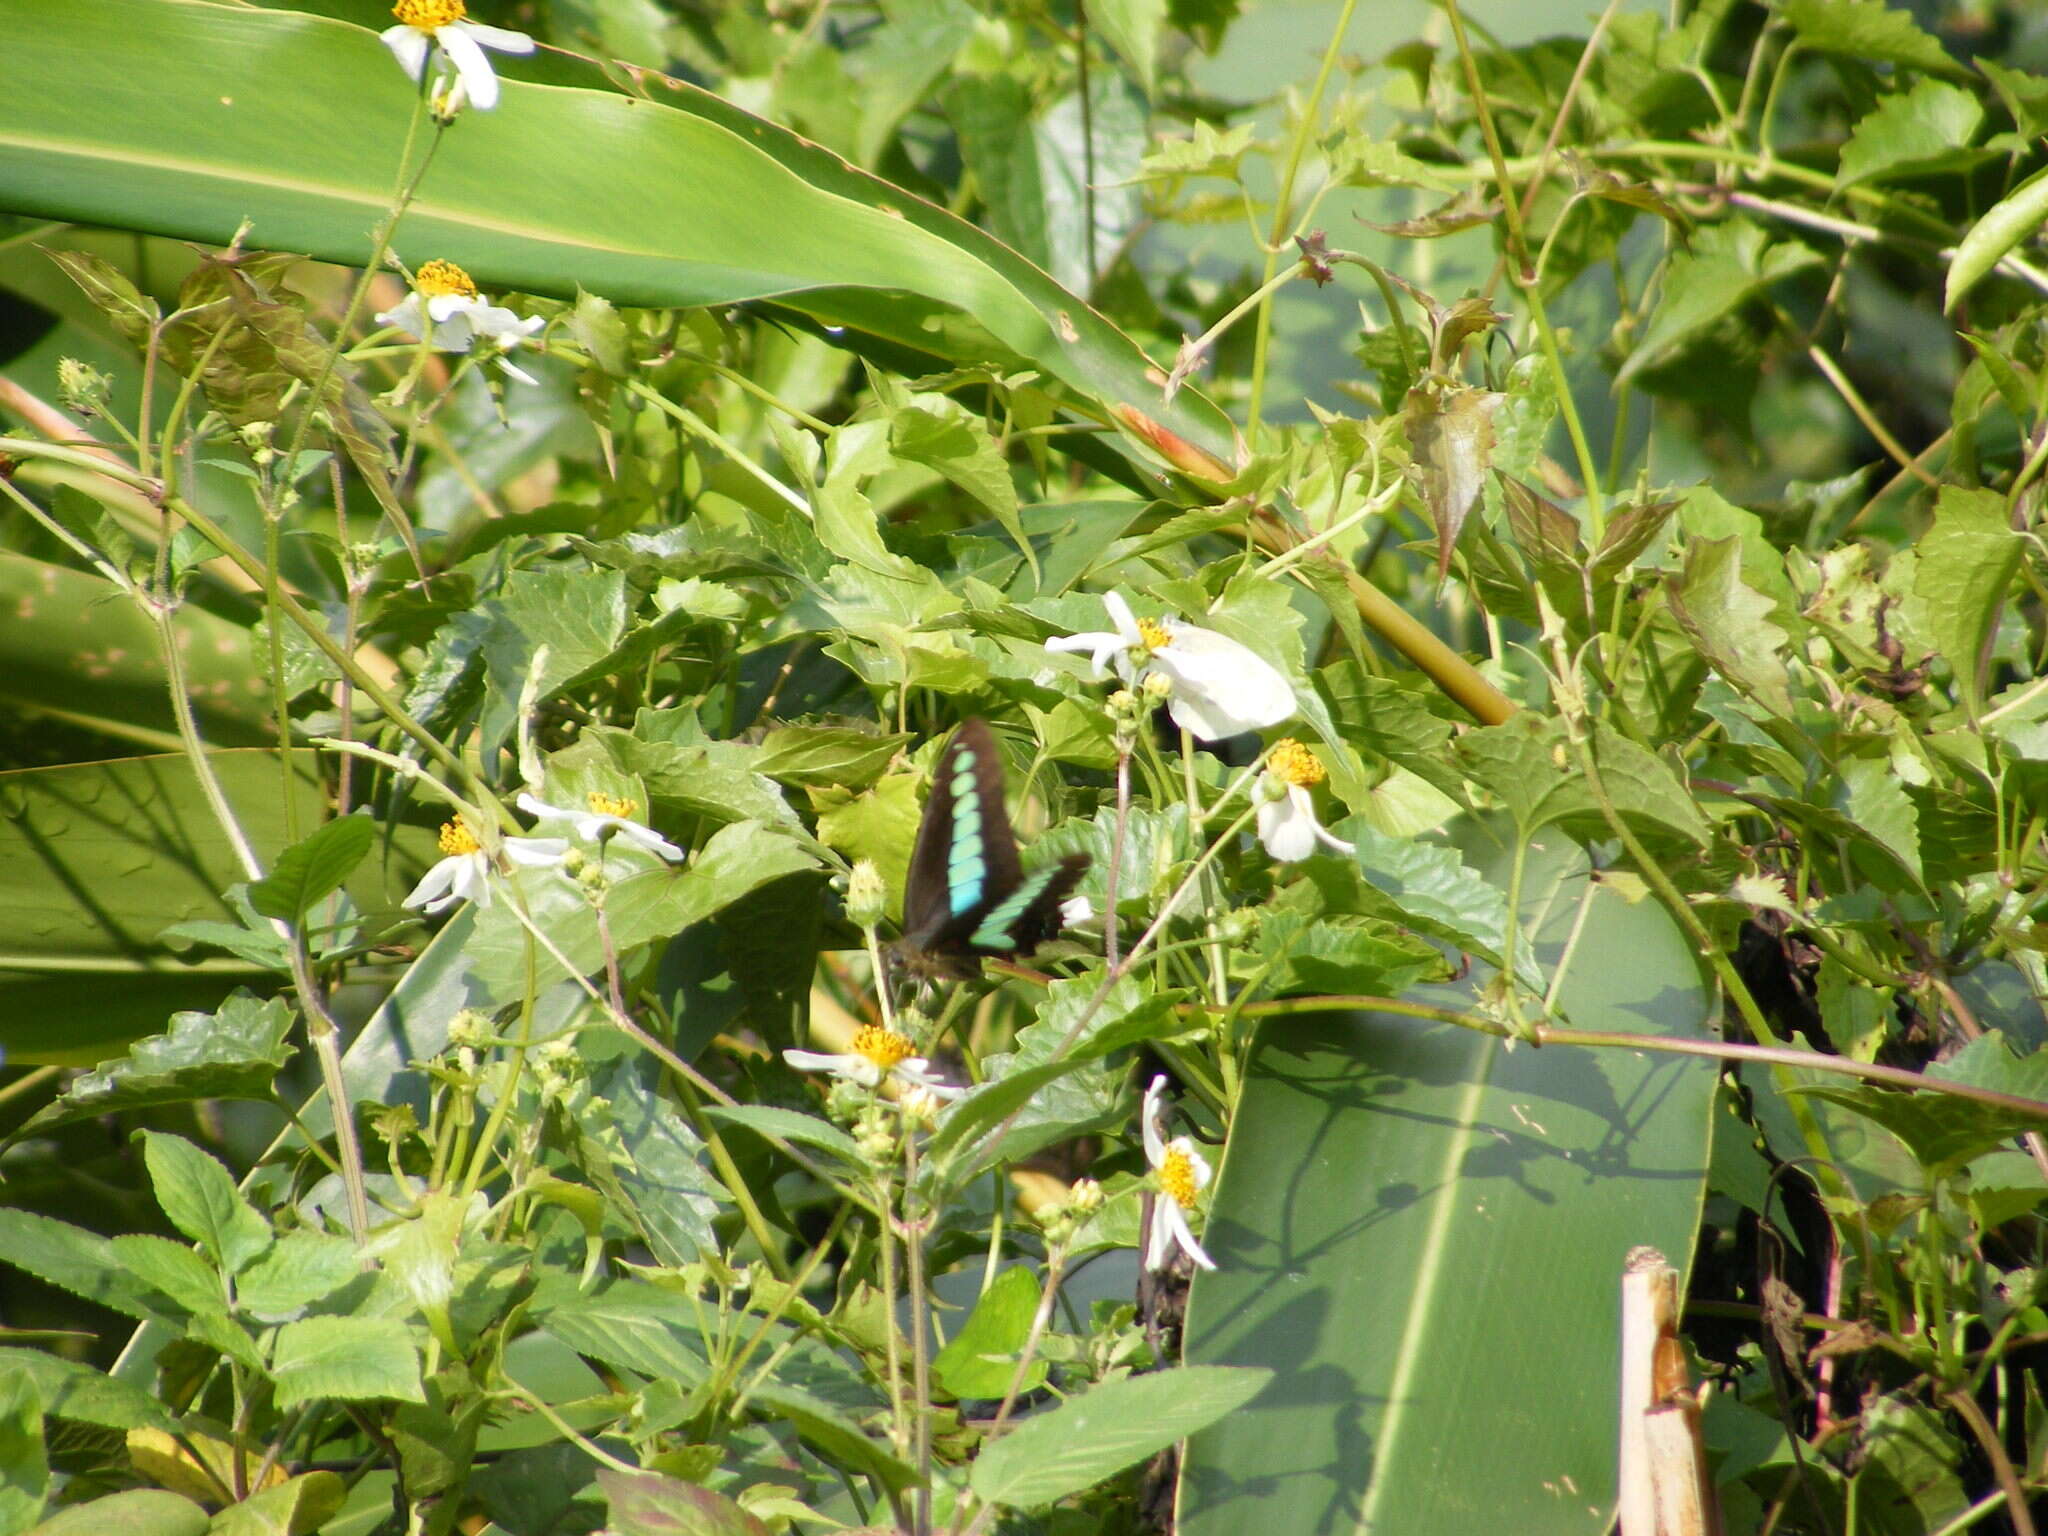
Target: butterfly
x,y
968,895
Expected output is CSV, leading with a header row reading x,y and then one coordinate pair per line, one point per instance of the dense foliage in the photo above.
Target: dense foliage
x,y
1514,559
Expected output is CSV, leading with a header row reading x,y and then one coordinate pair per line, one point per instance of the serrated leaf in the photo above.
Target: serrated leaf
x,y
73,1390
1965,562
1730,622
202,1202
354,1359
300,1268
1869,31
1918,129
313,867
74,1259
1112,1426
236,1053
172,1268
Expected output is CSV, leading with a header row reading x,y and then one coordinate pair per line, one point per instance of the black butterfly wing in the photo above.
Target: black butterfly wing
x,y
1029,915
965,859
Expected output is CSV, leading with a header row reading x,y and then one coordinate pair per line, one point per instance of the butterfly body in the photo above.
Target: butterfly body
x,y
968,894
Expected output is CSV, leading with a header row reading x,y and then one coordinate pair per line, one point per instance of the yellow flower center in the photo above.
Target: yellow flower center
x,y
1295,764
1154,634
1177,1175
884,1047
437,278
457,839
429,15
611,805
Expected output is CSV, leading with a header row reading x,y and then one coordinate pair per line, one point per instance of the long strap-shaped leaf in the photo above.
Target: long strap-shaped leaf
x,y
183,117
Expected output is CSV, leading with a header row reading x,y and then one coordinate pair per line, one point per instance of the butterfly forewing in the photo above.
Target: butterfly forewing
x,y
967,894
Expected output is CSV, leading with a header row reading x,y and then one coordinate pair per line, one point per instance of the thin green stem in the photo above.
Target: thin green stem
x,y
1283,206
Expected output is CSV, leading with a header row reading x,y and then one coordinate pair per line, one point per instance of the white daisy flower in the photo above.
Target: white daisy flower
x,y
1182,1174
464,873
877,1053
609,816
1215,686
445,306
427,25
1287,816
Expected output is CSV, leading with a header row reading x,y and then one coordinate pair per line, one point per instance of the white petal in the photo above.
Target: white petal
x,y
535,852
1076,911
1288,829
1121,616
1159,1233
470,63
496,321
409,46
646,837
1177,1224
847,1065
1220,688
473,878
518,373
443,307
496,37
1331,841
1155,1139
913,1071
434,883
1101,645
406,317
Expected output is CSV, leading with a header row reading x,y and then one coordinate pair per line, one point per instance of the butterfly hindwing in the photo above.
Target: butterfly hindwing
x,y
1030,915
967,893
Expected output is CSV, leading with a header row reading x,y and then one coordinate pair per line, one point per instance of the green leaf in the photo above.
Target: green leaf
x,y
827,755
981,1359
296,1507
313,867
71,1389
1729,622
1874,798
791,1125
648,1504
1966,561
1392,1178
202,1201
1112,1426
1726,265
101,857
1916,130
113,125
236,1053
107,286
300,1268
172,1268
1132,28
942,434
24,1462
656,903
74,1259
138,1512
1868,31
355,1359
